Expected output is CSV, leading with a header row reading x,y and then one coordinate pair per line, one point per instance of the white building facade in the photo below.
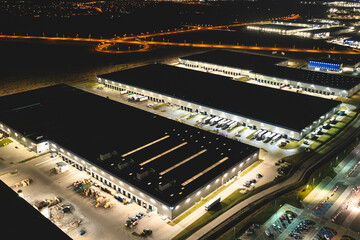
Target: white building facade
x,y
270,80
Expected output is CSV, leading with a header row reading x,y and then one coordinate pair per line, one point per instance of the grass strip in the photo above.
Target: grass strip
x,y
291,145
5,142
250,136
159,106
192,116
233,199
197,206
251,167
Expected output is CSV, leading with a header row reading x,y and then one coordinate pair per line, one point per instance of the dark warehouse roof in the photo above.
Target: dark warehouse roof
x,y
274,106
141,143
234,59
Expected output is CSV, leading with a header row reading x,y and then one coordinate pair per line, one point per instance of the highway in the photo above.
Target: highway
x,y
104,43
108,45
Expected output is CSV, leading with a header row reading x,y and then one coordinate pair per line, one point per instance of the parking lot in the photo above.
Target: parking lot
x,y
331,210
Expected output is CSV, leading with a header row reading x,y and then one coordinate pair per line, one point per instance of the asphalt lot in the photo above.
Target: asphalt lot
x,y
99,223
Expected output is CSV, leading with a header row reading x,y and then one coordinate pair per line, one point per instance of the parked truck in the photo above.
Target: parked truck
x,y
269,138
276,138
213,202
266,135
260,135
219,124
233,125
143,98
61,167
215,120
227,124
207,120
257,133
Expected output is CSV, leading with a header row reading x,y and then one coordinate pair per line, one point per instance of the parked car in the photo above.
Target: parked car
x,y
147,231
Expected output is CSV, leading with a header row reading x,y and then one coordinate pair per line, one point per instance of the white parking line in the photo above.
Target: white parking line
x,y
45,161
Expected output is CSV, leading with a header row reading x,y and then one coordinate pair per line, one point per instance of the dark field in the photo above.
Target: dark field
x,y
33,64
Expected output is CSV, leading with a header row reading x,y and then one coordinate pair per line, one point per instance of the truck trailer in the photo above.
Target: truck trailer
x,y
213,202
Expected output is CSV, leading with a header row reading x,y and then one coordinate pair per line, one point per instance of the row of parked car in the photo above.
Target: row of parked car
x,y
252,181
133,221
286,217
303,227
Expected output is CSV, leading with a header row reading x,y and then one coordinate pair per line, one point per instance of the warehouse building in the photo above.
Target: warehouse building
x,y
283,29
160,164
273,71
325,64
310,81
231,63
292,115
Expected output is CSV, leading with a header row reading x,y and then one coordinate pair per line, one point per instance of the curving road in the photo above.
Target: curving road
x,y
108,45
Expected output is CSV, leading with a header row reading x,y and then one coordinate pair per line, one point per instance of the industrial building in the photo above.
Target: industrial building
x,y
325,64
277,28
273,71
353,41
310,81
292,115
317,28
160,164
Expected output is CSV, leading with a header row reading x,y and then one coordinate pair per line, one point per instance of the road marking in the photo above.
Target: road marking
x,y
45,161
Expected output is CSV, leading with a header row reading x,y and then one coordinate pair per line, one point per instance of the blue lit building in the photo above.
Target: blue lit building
x,y
327,64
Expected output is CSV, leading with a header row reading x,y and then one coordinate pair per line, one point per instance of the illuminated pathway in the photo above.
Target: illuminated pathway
x,y
144,45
